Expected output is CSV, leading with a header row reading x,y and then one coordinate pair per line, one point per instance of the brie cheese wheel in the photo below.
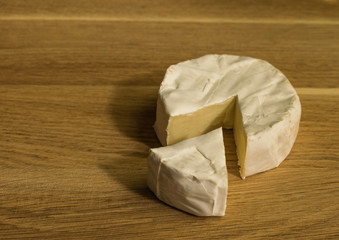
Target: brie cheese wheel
x,y
246,94
191,175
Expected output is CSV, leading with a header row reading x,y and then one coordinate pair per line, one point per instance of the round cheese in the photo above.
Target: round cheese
x,y
246,94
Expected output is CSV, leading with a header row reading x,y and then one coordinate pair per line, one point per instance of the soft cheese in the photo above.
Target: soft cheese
x,y
246,94
191,175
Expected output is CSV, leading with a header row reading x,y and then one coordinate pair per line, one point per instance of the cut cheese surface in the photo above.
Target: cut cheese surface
x,y
191,175
246,94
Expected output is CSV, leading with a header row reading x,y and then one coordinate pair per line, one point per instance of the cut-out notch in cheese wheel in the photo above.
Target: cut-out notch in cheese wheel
x,y
246,94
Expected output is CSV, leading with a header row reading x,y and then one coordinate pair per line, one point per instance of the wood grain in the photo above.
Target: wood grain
x,y
315,11
67,158
73,52
78,89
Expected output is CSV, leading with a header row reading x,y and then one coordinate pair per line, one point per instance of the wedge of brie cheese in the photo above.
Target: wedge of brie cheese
x,y
246,94
191,175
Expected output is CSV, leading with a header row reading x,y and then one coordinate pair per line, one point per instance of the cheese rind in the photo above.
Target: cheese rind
x,y
199,95
191,175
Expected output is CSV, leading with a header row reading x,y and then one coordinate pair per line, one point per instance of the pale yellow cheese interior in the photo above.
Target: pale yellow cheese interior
x,y
226,114
240,138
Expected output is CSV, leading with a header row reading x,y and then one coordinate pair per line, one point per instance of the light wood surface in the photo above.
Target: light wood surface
x,y
78,89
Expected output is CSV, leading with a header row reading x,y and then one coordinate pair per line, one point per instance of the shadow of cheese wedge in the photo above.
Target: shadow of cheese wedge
x,y
246,94
191,175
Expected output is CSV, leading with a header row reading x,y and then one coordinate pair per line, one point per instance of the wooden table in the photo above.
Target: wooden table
x,y
78,89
